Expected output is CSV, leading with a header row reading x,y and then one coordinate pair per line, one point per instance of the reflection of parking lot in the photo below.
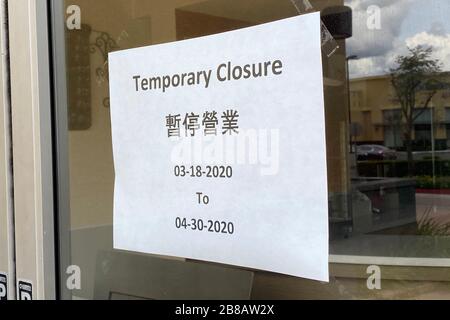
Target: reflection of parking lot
x,y
443,155
438,204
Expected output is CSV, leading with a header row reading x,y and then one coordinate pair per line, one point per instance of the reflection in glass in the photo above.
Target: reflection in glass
x,y
388,170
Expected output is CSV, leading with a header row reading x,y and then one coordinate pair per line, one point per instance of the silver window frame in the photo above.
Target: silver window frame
x,y
31,104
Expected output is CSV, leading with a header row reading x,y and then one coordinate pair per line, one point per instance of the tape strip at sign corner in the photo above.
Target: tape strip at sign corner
x,y
329,44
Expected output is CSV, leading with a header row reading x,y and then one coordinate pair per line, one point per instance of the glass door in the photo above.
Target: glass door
x,y
389,218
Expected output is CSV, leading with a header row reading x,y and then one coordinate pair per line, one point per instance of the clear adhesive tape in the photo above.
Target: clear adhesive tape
x,y
329,44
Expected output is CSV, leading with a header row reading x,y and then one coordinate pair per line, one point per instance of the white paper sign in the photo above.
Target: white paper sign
x,y
219,149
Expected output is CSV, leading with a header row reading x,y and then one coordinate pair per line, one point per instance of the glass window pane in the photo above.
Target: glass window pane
x,y
388,152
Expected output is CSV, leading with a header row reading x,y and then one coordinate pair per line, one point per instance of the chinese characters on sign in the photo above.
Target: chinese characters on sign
x,y
191,123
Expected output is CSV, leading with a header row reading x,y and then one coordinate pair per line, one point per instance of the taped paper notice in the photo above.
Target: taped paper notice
x,y
219,148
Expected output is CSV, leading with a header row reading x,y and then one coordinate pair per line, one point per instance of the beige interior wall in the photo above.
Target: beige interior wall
x,y
91,164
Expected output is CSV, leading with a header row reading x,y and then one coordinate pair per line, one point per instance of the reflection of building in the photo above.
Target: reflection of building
x,y
377,118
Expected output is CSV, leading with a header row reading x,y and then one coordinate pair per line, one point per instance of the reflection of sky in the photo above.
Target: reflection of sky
x,y
424,14
403,23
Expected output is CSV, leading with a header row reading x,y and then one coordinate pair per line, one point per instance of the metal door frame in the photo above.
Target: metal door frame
x,y
31,103
7,266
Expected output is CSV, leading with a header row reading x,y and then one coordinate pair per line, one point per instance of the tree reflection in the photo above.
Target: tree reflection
x,y
415,84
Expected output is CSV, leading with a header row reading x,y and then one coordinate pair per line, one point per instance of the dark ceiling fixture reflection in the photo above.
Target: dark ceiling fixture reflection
x,y
338,20
103,44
